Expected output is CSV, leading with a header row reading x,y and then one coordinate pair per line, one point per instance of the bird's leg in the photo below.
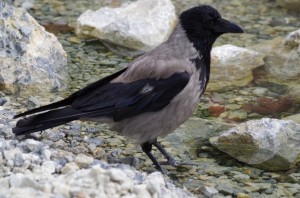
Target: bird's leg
x,y
170,160
147,148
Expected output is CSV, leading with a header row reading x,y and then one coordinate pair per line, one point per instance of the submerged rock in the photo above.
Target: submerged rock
x,y
269,144
193,134
31,59
232,66
136,26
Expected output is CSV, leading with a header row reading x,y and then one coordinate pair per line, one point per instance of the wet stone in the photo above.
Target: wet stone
x,y
224,188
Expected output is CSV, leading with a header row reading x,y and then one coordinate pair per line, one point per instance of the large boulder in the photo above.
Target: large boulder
x,y
136,26
268,144
232,66
31,59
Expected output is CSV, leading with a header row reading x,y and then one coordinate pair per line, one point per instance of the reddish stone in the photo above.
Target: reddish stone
x,y
267,106
216,110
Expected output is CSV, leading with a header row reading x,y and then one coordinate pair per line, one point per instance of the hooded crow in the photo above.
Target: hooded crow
x,y
153,95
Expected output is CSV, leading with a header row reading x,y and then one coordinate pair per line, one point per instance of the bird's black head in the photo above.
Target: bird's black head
x,y
205,23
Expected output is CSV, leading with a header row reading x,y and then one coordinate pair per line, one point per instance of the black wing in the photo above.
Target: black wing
x,y
129,99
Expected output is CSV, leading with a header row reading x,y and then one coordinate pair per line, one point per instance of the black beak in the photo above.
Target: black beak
x,y
225,26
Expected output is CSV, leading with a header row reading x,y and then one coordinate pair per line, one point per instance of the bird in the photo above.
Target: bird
x,y
152,95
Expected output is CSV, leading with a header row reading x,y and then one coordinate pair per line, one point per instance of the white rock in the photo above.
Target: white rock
x,y
117,175
4,183
33,145
154,183
10,154
48,167
23,181
46,153
83,161
269,144
71,166
32,59
139,25
232,66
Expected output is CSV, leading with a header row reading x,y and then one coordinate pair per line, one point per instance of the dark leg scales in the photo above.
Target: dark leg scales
x,y
170,160
147,148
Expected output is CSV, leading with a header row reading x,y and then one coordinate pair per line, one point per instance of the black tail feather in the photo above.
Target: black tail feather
x,y
55,118
54,105
45,120
34,128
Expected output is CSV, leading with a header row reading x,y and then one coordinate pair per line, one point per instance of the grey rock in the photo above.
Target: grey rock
x,y
232,66
32,60
131,160
208,191
225,188
269,144
33,102
98,141
3,100
18,160
241,177
130,28
53,135
33,145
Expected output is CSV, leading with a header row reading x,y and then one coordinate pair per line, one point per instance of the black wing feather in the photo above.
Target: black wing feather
x,y
127,99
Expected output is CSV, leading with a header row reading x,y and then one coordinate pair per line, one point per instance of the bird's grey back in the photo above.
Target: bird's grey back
x,y
174,55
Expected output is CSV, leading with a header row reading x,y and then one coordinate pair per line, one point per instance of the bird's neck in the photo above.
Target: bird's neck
x,y
204,47
202,61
